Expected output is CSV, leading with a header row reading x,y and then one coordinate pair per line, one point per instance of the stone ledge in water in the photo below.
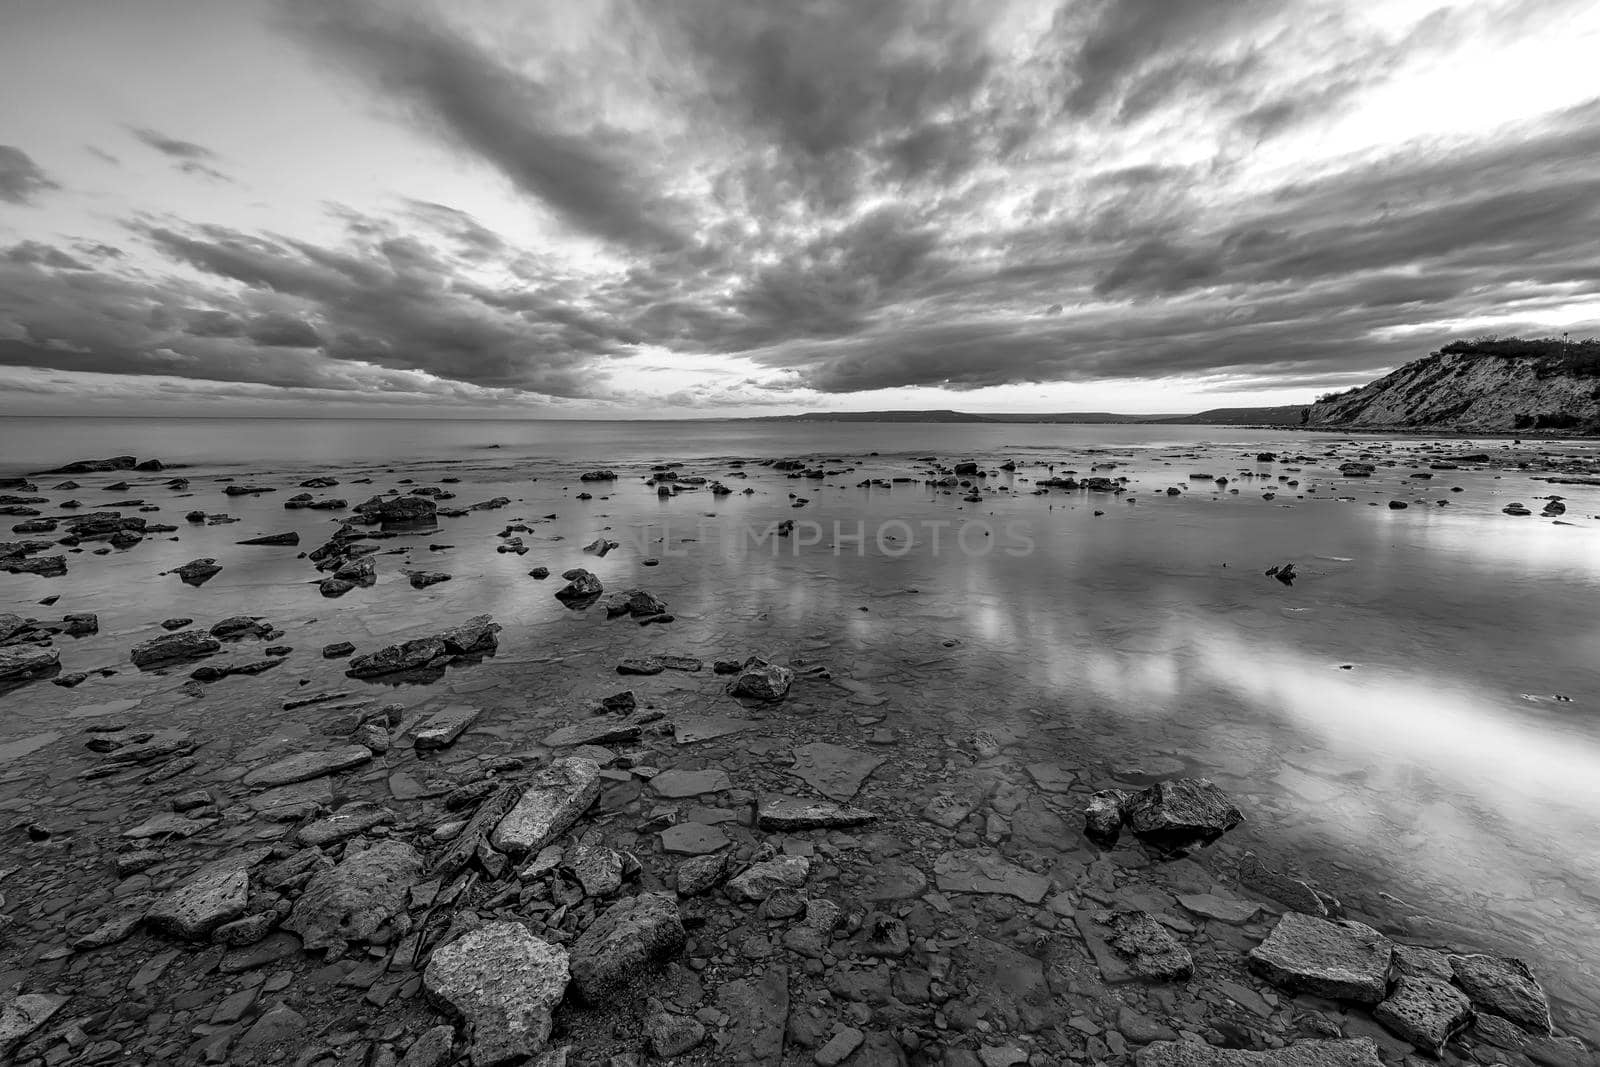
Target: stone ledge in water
x,y
18,662
477,636
174,648
1339,959
1181,814
443,727
504,983
1355,1052
633,935
304,766
760,680
976,871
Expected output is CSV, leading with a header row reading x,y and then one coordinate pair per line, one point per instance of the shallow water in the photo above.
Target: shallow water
x,y
1389,723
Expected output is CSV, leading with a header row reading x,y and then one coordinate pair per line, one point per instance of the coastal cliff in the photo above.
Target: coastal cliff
x,y
1492,386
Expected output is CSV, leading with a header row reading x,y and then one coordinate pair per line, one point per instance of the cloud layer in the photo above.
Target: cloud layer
x,y
836,198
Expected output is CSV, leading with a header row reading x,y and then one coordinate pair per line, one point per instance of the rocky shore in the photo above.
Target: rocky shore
x,y
692,858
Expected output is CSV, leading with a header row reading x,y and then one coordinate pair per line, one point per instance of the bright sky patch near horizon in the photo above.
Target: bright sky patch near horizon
x,y
707,207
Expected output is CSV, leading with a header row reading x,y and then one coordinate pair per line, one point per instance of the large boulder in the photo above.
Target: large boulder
x,y
215,894
399,509
1343,960
1424,1011
549,805
350,901
504,983
633,935
1181,814
582,588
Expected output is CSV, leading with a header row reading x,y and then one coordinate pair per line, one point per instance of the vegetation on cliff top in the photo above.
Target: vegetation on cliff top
x,y
1555,355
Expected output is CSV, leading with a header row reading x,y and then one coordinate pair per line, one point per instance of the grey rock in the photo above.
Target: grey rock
x,y
349,821
947,811
1505,987
633,935
677,784
350,901
1340,959
1181,814
1102,819
549,805
24,661
673,1035
198,571
23,1015
758,881
1134,946
1356,1052
757,1009
393,659
174,648
1223,909
833,770
1424,1012
504,982
782,813
304,766
598,870
693,839
700,874
215,894
635,602
977,871
582,589
443,727
435,1048
760,680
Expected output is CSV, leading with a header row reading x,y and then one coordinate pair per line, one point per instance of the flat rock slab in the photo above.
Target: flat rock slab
x,y
793,813
976,871
350,901
632,936
549,806
757,1009
761,880
693,839
596,732
692,729
441,729
833,770
349,821
25,1014
174,648
215,894
479,826
1223,909
168,824
20,661
1133,946
1343,959
504,983
1424,1012
292,802
1505,987
1051,777
676,784
305,766
1356,1052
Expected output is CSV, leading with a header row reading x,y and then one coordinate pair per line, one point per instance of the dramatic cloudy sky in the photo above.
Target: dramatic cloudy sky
x,y
699,207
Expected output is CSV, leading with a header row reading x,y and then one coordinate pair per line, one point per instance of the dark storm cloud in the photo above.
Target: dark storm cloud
x,y
280,330
21,179
587,175
42,254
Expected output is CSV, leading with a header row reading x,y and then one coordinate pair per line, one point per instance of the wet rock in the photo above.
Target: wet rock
x,y
700,874
782,813
24,661
760,680
760,880
1424,1012
594,732
349,821
1102,819
833,770
635,602
598,870
173,648
399,510
441,729
548,807
633,936
673,1035
25,1014
582,589
423,579
757,1009
839,1047
1505,987
304,766
977,871
274,1037
1134,946
947,811
476,636
350,901
43,566
1223,909
677,784
504,983
197,571
464,846
641,665
1343,959
435,1048
1356,1052
289,538
1181,814
337,650
602,475
1296,894
215,894
81,624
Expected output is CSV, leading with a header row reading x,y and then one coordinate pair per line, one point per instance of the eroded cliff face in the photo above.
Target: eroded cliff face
x,y
1471,393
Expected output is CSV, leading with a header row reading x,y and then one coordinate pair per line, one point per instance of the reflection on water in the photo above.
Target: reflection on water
x,y
1371,718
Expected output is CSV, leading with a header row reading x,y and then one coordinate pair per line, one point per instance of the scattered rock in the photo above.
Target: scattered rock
x,y
1181,814
782,813
504,983
633,935
174,648
760,680
976,871
549,806
1505,987
1342,959
1424,1012
350,901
